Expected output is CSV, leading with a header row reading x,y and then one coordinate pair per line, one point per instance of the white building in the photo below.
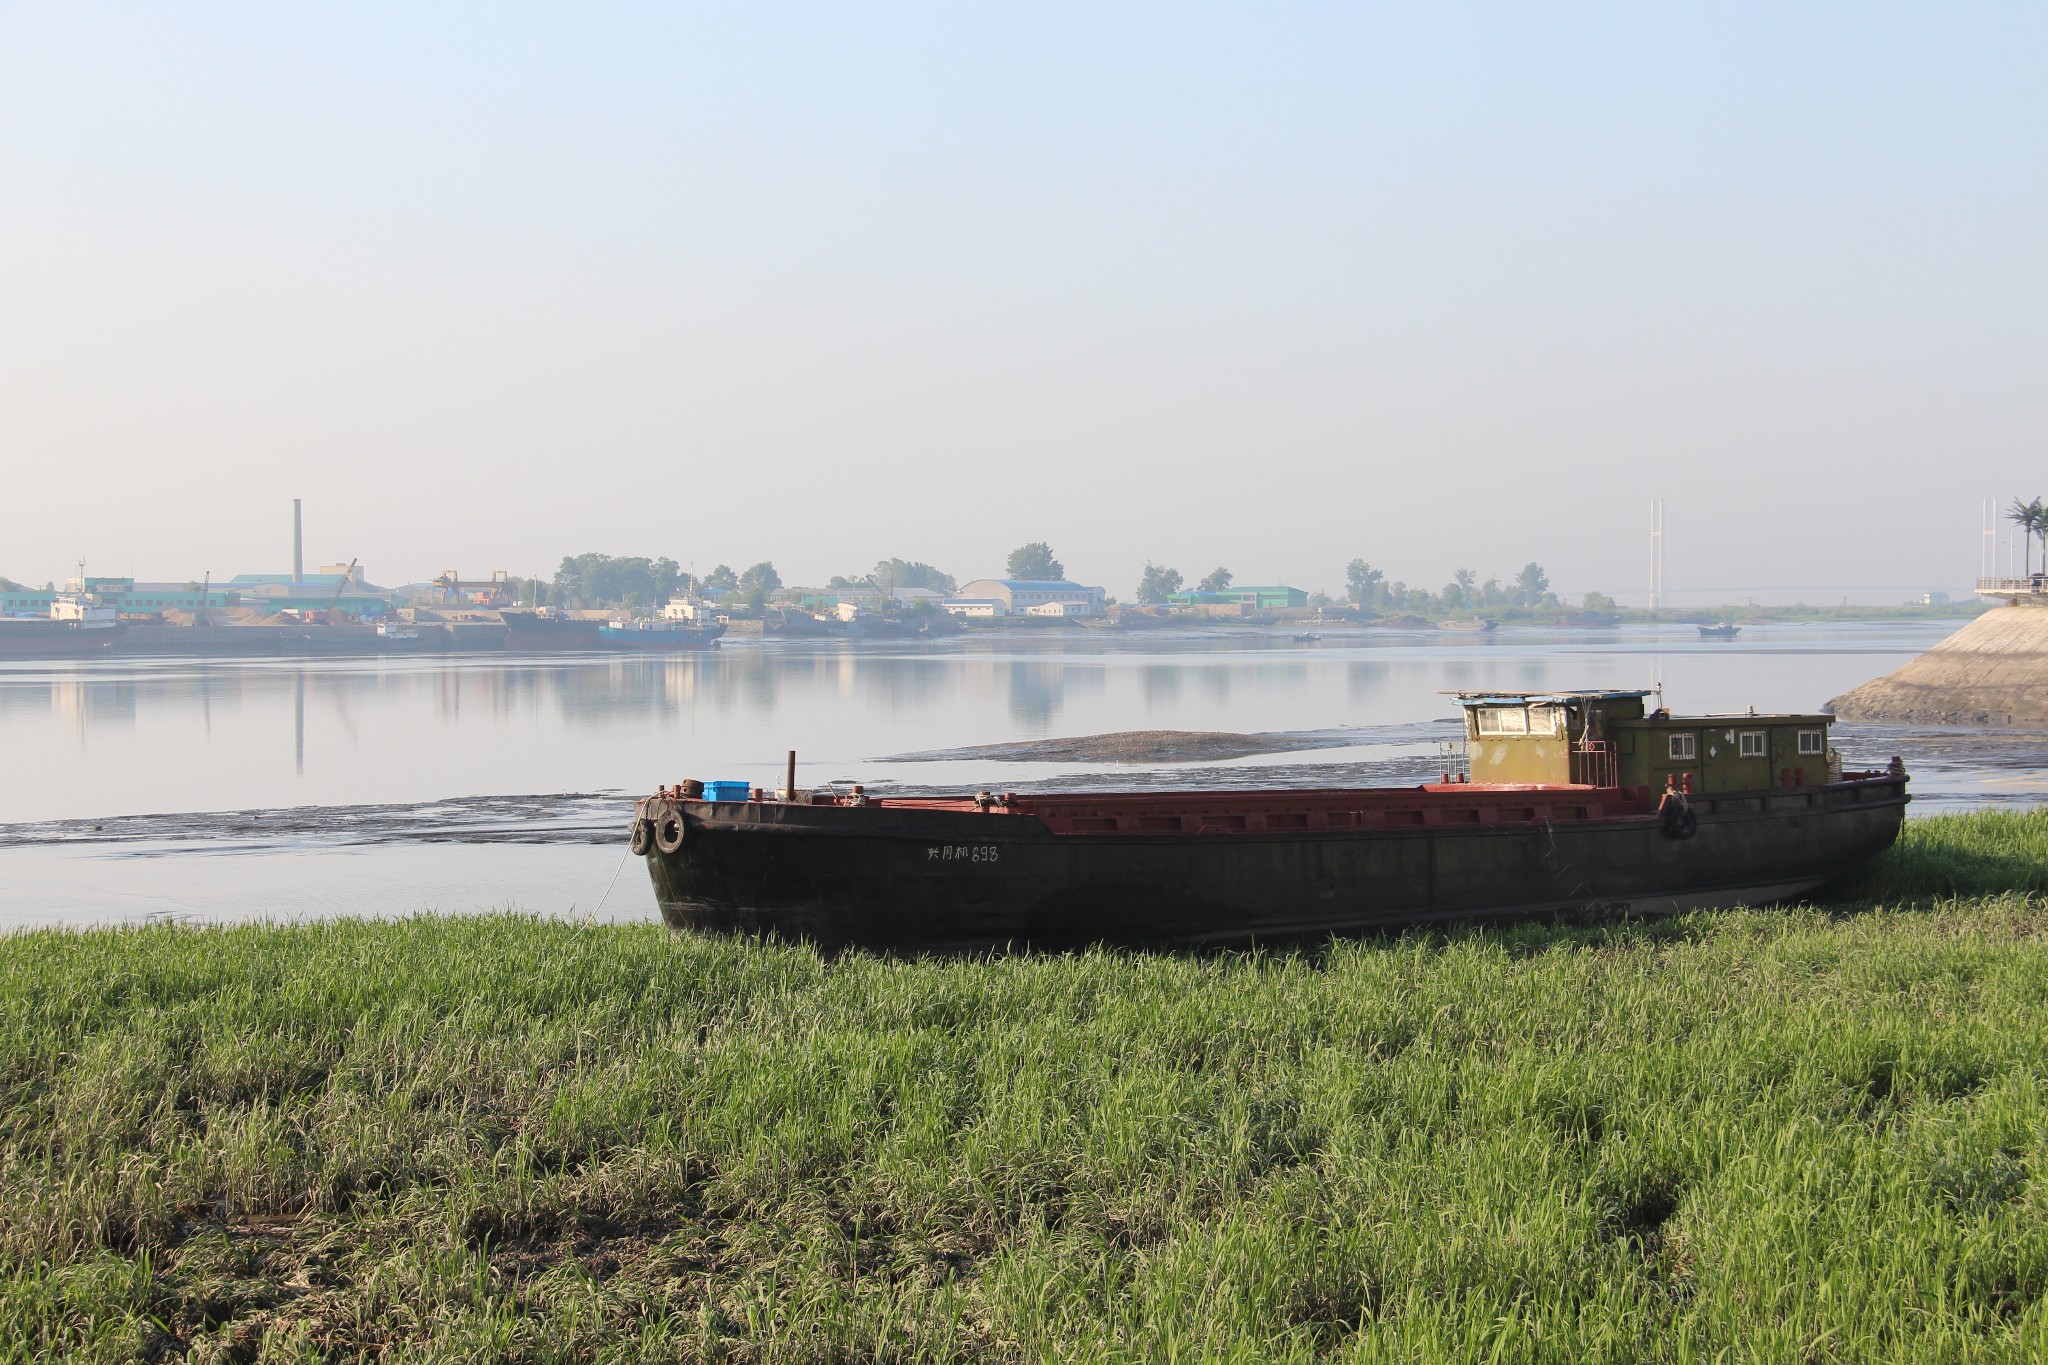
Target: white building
x,y
1060,609
973,606
683,609
1018,596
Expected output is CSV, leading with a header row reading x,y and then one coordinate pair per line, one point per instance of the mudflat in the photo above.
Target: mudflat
x,y
1141,746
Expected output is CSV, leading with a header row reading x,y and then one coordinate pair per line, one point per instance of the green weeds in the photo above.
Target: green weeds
x,y
1799,1135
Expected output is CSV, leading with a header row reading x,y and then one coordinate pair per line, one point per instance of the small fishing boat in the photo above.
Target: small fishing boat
x,y
1574,803
1472,626
1307,639
1722,630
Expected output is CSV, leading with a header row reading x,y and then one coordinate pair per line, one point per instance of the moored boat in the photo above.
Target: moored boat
x,y
658,635
38,637
1577,802
1723,630
547,628
1471,626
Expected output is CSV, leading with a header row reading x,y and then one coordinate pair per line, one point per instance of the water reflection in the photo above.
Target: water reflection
x,y
105,737
1162,685
1035,692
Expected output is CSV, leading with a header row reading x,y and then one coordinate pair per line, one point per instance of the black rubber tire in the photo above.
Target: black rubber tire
x,y
1680,822
668,832
643,838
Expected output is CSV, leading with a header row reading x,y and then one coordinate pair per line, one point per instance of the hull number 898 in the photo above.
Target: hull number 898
x,y
961,853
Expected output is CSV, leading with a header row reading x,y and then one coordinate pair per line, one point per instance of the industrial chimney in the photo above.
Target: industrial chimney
x,y
298,547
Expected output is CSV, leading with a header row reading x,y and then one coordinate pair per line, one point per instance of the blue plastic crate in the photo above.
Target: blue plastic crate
x,y
728,791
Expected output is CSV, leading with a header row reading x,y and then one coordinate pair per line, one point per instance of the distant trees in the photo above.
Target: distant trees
x,y
1600,602
1218,579
1157,583
1367,584
721,579
600,580
894,575
758,582
1459,592
1368,588
1035,561
534,592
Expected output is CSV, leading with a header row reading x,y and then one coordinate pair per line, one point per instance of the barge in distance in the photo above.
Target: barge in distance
x,y
1577,803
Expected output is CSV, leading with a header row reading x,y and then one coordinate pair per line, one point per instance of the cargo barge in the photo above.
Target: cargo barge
x,y
1579,803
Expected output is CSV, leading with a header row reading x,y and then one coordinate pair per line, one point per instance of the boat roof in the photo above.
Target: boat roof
x,y
1497,698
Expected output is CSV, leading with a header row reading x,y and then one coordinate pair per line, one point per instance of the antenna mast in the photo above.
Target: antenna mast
x,y
1656,553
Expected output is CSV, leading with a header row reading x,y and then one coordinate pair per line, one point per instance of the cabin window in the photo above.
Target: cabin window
x,y
1503,720
1683,747
1813,741
1543,719
1752,744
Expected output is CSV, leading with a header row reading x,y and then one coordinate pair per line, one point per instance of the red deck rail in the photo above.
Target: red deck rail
x,y
1595,763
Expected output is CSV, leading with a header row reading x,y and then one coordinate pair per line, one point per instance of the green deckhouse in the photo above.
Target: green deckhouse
x,y
1608,739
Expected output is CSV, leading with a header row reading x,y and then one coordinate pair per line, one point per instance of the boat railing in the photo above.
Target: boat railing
x,y
2035,583
1595,763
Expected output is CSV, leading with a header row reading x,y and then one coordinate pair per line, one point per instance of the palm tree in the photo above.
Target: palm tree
x,y
2032,520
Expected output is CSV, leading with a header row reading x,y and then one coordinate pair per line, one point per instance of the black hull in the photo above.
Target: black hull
x,y
56,640
948,881
660,641
527,632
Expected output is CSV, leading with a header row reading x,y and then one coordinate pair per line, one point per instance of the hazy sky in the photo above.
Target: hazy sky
x,y
1270,286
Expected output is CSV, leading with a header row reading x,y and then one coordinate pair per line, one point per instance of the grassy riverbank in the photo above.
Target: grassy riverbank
x,y
1805,1135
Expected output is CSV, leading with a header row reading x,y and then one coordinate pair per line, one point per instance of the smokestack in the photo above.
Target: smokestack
x,y
298,547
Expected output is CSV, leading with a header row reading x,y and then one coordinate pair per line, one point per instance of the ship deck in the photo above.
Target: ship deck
x,y
1436,804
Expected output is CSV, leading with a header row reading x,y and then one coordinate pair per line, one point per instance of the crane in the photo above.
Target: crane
x,y
346,579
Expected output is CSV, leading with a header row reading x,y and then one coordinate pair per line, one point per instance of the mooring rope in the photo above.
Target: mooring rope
x,y
592,914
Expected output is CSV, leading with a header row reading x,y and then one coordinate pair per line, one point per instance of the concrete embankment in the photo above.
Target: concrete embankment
x,y
1993,671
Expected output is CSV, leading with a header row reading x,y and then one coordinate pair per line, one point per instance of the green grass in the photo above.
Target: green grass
x,y
1806,1135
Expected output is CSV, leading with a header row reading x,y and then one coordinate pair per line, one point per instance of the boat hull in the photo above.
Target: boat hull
x,y
529,631
56,639
961,880
660,641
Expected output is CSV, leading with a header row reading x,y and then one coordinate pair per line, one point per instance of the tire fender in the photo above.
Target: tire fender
x,y
668,831
1679,820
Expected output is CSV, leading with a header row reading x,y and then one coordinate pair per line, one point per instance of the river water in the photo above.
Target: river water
x,y
235,789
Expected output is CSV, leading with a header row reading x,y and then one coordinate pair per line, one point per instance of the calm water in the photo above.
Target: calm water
x,y
389,786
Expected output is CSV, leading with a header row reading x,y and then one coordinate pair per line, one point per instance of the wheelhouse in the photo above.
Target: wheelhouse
x,y
1610,738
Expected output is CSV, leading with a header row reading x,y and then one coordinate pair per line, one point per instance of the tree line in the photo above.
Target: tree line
x,y
596,580
1368,587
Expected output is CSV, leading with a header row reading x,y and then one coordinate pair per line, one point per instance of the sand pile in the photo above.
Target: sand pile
x,y
1993,671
